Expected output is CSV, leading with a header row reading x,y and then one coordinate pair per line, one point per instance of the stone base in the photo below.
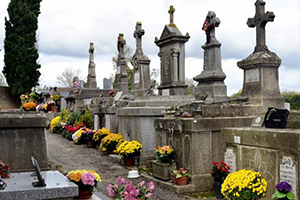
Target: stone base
x,y
215,90
161,170
139,93
19,186
172,90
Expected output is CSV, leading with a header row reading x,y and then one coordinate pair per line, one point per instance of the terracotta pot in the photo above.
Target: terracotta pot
x,y
128,162
90,144
173,178
217,189
84,194
182,180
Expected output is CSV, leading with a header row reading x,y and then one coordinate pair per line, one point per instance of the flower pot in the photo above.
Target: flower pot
x,y
217,189
90,144
182,180
84,194
128,162
166,159
173,178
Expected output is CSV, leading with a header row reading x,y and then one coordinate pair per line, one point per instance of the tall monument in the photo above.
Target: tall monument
x,y
91,79
261,67
121,82
140,63
172,56
211,79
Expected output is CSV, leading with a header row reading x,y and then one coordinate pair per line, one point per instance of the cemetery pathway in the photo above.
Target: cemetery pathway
x,y
65,155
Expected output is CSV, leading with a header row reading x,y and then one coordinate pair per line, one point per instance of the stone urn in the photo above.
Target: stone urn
x,y
161,170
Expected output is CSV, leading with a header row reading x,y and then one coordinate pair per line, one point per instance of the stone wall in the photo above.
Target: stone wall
x,y
6,101
23,135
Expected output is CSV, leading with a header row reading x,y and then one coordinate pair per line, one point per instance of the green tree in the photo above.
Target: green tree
x,y
236,95
293,98
20,56
191,85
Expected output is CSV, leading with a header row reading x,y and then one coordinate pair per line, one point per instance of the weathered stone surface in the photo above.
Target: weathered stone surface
x,y
161,170
23,136
107,83
91,79
7,101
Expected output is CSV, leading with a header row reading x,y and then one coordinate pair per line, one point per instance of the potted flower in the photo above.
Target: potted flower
x,y
86,181
100,134
219,172
55,124
165,154
244,184
29,106
181,176
4,170
125,189
283,191
110,142
128,150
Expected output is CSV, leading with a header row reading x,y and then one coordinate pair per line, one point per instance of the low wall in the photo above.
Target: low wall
x,y
23,135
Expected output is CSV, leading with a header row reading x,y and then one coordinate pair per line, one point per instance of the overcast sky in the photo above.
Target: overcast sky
x,y
66,27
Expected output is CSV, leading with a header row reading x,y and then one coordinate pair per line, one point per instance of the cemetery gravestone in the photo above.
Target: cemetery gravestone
x,y
91,79
107,83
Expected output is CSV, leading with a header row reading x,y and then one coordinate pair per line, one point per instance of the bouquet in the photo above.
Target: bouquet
x,y
219,171
110,142
164,154
85,179
29,106
125,189
244,185
129,149
283,190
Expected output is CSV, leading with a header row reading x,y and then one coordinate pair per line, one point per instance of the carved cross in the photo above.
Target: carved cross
x,y
209,25
91,51
259,21
121,43
138,33
171,12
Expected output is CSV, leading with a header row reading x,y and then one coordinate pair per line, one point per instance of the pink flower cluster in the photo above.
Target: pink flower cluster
x,y
125,189
88,179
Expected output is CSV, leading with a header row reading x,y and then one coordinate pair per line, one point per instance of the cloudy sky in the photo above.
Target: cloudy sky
x,y
67,27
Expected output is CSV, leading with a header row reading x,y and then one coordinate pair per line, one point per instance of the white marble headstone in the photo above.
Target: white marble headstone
x,y
287,171
136,77
230,159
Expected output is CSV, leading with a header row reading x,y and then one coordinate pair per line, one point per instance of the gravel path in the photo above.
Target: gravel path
x,y
65,155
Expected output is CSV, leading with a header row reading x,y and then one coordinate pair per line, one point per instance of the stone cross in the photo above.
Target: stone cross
x,y
209,25
121,43
138,33
171,12
259,21
91,51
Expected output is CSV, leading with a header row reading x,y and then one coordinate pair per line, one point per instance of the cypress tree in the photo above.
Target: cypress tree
x,y
20,51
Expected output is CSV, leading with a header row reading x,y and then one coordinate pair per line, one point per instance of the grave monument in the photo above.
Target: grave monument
x,y
261,67
211,79
91,79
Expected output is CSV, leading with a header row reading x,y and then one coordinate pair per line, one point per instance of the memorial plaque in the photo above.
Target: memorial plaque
x,y
257,121
288,172
118,96
230,159
166,92
252,75
40,182
118,70
136,77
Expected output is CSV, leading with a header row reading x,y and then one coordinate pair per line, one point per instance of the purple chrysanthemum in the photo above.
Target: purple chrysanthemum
x,y
283,187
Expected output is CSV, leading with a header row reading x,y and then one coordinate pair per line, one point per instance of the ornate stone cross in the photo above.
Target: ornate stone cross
x,y
138,33
259,21
121,43
171,12
209,25
91,51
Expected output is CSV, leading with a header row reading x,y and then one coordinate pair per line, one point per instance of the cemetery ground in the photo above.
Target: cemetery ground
x,y
65,155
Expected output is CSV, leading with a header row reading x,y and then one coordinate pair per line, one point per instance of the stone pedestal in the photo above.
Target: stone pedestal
x,y
161,170
261,79
141,75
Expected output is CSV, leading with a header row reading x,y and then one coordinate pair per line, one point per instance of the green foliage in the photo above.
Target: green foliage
x,y
191,86
86,118
20,56
236,95
73,118
129,77
293,98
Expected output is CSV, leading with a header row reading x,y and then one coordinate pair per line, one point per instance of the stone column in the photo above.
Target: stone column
x,y
91,79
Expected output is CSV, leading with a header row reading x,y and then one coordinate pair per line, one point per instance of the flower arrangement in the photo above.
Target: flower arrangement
x,y
4,170
56,97
219,171
29,106
129,149
125,189
283,190
244,185
68,131
85,179
110,142
181,172
55,124
83,135
165,153
100,134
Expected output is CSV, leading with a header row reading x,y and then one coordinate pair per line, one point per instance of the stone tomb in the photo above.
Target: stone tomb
x,y
19,186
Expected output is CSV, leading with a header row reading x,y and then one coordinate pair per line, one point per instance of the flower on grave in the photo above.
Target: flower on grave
x,y
125,189
100,134
56,97
283,190
111,141
55,124
164,153
129,149
181,172
244,184
85,179
29,106
4,170
219,171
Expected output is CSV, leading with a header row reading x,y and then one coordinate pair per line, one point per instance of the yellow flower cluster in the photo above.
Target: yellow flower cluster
x,y
29,106
111,141
75,175
55,122
101,132
56,97
164,150
244,184
129,147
